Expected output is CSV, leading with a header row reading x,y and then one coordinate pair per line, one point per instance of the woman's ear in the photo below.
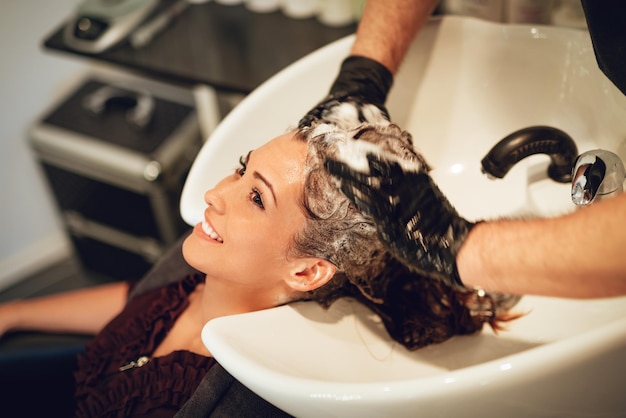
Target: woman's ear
x,y
310,274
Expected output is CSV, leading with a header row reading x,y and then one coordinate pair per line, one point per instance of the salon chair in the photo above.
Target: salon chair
x,y
36,374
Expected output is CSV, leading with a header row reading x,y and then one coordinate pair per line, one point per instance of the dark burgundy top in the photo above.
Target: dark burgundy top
x,y
157,389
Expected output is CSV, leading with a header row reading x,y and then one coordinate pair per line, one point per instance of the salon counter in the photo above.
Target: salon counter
x,y
226,47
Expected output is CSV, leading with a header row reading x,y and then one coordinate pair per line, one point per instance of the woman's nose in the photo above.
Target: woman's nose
x,y
215,200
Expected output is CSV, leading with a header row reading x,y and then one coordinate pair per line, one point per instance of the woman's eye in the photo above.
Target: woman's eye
x,y
241,170
257,198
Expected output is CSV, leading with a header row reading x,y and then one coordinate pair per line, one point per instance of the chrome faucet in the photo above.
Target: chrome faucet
x,y
597,174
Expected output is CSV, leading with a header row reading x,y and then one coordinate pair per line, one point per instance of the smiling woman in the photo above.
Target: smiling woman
x,y
250,218
279,230
276,230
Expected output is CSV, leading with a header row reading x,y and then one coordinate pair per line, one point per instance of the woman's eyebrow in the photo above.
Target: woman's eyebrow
x,y
259,176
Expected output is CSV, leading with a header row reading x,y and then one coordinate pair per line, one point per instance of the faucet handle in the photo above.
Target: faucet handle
x,y
596,174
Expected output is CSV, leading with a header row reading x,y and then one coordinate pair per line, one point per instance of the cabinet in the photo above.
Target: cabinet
x,y
115,157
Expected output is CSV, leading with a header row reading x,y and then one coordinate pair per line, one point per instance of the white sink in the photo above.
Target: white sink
x,y
483,81
465,85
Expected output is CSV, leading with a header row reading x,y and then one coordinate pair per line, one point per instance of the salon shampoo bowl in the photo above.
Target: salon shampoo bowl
x,y
465,85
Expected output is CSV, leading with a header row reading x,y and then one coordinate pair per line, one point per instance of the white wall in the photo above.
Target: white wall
x,y
31,79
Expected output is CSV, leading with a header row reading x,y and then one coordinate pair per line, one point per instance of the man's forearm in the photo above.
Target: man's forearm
x,y
387,28
578,255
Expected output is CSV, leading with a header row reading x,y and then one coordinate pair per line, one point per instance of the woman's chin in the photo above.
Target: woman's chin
x,y
191,253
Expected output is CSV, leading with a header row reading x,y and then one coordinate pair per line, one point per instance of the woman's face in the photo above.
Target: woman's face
x,y
251,218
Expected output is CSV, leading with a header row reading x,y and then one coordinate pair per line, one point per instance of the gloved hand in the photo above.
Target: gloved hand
x,y
358,95
414,220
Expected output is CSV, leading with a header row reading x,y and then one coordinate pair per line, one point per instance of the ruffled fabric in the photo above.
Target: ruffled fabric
x,y
157,389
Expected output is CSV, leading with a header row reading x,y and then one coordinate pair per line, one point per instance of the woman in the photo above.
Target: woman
x,y
275,231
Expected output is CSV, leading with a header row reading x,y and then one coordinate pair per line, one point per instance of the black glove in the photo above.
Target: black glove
x,y
361,82
414,220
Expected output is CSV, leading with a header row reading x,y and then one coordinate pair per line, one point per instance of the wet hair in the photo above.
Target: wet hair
x,y
416,310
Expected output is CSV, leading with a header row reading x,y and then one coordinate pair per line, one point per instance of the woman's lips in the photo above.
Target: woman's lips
x,y
208,230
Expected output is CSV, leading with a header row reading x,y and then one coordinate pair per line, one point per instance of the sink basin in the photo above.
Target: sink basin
x,y
483,81
465,85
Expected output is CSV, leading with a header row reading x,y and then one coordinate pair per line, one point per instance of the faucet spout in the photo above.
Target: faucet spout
x,y
597,174
558,145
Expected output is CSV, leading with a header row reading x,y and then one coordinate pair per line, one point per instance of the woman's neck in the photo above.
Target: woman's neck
x,y
221,299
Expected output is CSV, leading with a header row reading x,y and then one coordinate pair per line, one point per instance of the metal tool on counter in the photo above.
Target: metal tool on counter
x,y
146,32
97,25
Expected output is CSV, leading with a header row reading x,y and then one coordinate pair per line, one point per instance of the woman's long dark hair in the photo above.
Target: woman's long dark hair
x,y
416,310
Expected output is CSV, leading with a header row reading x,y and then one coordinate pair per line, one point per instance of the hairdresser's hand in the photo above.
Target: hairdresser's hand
x,y
358,95
415,221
